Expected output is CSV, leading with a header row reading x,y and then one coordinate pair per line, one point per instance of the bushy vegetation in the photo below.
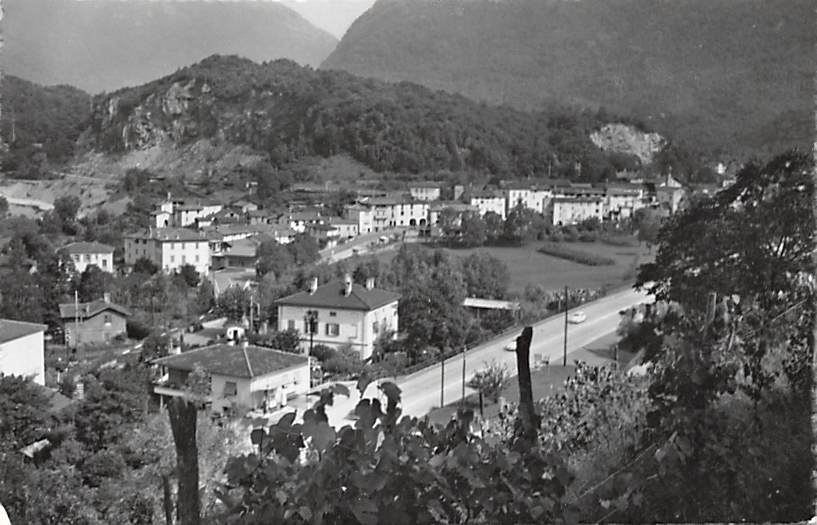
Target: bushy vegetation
x,y
46,122
579,256
388,127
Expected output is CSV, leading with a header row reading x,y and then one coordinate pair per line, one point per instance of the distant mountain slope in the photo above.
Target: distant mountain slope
x,y
290,112
39,121
734,75
101,45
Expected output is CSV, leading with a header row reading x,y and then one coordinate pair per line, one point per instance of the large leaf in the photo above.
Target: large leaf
x,y
392,391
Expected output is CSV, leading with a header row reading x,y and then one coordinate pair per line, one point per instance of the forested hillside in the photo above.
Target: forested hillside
x,y
102,45
33,115
291,112
732,77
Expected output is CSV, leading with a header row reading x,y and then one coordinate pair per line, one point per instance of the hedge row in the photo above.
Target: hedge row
x,y
577,256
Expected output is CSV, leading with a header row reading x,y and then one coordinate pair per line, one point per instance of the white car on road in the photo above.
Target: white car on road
x,y
577,317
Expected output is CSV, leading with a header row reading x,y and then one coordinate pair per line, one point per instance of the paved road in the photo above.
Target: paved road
x,y
421,391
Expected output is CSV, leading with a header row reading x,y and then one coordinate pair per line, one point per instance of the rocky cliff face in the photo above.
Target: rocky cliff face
x,y
622,138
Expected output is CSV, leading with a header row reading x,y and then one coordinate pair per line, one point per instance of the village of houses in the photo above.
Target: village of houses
x,y
221,241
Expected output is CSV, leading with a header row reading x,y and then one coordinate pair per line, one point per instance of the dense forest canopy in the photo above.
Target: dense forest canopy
x,y
291,112
33,115
731,77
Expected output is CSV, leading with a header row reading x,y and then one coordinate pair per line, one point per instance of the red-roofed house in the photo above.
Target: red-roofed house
x,y
244,377
22,349
93,322
347,314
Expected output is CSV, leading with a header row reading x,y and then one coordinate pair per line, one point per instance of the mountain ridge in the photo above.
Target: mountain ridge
x,y
99,45
716,75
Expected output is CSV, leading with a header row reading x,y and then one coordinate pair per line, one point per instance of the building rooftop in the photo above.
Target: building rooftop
x,y
11,330
234,360
331,295
87,247
168,234
90,309
577,200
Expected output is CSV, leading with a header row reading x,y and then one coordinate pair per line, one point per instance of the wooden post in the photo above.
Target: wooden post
x,y
183,417
567,307
527,414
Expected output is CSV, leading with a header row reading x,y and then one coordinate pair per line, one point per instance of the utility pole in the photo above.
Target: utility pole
x,y
463,375
76,320
442,376
567,307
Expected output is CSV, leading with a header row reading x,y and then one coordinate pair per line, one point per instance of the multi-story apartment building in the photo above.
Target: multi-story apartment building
x,y
85,254
362,215
345,313
425,191
169,248
489,201
395,211
572,210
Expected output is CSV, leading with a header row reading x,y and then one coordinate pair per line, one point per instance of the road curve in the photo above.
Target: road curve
x,y
421,390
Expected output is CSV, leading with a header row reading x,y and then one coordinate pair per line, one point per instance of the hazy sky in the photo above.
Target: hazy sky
x,y
334,16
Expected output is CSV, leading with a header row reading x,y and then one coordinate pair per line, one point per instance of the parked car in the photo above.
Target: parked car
x,y
511,348
577,317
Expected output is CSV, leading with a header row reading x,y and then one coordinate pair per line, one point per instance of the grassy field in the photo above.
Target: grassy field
x,y
526,265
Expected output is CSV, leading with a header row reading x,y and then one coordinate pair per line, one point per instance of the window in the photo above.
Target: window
x,y
291,324
107,318
375,327
197,258
230,389
172,258
184,259
87,257
333,314
332,329
104,263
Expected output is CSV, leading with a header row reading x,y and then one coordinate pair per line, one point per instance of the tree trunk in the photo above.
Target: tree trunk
x,y
167,500
527,414
183,424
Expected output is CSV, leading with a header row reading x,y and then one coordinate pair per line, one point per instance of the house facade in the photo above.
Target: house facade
x,y
93,322
85,254
242,377
347,314
169,248
489,202
572,210
425,191
22,349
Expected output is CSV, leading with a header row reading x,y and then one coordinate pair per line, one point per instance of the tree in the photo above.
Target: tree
x,y
274,257
23,412
648,222
145,266
93,283
472,230
4,206
234,303
190,275
304,249
493,227
66,208
205,298
485,276
287,341
490,380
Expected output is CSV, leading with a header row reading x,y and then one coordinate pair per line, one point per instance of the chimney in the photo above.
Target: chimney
x,y
370,283
313,285
106,297
347,285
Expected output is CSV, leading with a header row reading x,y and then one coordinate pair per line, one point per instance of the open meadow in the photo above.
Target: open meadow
x,y
528,266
